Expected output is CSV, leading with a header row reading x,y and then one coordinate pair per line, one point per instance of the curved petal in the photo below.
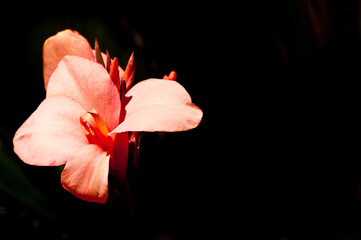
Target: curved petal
x,y
89,84
86,174
64,43
159,105
52,133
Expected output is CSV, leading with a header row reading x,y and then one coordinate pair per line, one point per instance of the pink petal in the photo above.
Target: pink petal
x,y
52,133
159,105
89,84
86,174
66,42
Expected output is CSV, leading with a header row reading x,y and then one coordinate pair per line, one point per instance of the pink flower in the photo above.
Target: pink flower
x,y
92,113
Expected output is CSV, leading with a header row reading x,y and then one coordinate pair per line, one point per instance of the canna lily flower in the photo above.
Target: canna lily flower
x,y
92,116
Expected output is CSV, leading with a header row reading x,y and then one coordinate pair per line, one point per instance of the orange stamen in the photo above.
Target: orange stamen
x,y
96,130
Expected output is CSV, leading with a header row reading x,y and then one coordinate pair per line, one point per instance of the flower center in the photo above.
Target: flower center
x,y
96,130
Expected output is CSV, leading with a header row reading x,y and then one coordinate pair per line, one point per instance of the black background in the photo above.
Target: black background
x,y
276,77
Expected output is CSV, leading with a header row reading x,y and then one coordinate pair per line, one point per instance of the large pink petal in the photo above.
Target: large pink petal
x,y
52,133
159,105
89,84
64,43
86,174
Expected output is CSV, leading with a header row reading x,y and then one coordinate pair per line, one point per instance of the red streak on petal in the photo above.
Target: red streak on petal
x,y
122,101
172,76
114,72
128,75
